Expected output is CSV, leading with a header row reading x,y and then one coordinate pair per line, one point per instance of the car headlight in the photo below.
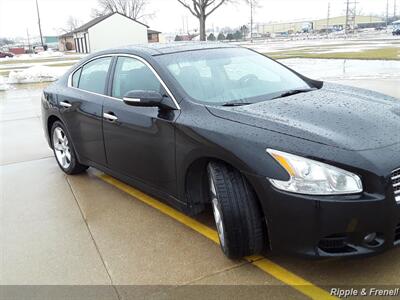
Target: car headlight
x,y
314,178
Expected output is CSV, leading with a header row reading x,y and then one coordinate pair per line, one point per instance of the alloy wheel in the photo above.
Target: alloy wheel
x,y
217,213
61,147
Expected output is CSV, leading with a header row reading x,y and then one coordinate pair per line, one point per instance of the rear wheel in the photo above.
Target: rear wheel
x,y
238,217
64,150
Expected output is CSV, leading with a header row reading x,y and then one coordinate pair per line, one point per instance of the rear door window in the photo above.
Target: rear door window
x,y
94,75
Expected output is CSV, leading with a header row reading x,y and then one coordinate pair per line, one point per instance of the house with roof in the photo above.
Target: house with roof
x,y
66,42
108,31
153,36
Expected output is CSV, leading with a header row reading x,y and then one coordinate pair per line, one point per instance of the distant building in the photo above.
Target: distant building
x,y
340,22
153,36
334,22
51,41
280,27
186,37
112,30
66,42
16,50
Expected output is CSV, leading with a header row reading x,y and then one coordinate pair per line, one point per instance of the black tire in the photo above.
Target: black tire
x,y
71,165
243,231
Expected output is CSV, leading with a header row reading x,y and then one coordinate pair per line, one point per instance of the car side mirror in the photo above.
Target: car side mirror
x,y
146,99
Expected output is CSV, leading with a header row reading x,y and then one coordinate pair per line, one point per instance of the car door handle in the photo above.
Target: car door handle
x,y
65,104
110,117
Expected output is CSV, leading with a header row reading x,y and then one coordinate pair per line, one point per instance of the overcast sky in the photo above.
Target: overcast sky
x,y
16,16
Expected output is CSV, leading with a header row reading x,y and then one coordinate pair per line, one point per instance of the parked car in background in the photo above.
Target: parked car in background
x,y
39,49
380,28
286,162
396,28
6,54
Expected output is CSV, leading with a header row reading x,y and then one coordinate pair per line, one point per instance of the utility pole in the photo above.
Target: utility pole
x,y
351,13
346,26
387,13
394,10
327,19
40,27
355,15
29,41
251,21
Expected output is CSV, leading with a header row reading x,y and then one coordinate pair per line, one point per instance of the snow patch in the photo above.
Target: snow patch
x,y
3,84
344,68
32,56
50,53
36,74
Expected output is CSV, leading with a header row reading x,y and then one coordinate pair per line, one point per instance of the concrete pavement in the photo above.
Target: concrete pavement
x,y
79,230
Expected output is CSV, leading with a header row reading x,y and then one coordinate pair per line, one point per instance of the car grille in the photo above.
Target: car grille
x,y
335,243
396,184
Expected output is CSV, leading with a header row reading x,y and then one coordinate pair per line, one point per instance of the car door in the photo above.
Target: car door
x,y
139,141
81,108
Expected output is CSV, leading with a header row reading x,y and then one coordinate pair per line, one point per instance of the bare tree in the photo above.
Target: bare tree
x,y
135,9
71,24
201,9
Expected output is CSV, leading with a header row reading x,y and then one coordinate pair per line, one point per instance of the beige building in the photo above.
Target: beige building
x,y
280,27
109,31
360,21
66,42
334,22
112,30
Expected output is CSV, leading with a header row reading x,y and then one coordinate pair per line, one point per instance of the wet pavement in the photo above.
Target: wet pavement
x,y
79,230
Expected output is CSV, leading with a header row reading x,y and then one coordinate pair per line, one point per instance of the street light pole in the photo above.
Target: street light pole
x,y
387,13
346,29
40,27
327,19
251,21
29,40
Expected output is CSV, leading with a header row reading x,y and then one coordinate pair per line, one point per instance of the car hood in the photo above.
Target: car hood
x,y
335,115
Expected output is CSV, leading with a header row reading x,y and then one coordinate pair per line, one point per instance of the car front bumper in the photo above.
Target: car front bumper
x,y
328,226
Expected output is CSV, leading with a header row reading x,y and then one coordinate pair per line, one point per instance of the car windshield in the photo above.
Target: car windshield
x,y
230,76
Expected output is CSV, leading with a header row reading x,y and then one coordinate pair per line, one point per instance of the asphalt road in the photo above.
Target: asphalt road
x,y
85,236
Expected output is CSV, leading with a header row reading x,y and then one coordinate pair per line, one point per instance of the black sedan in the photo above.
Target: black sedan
x,y
286,163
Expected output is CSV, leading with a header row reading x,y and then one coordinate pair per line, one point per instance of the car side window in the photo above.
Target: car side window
x,y
75,77
94,75
132,74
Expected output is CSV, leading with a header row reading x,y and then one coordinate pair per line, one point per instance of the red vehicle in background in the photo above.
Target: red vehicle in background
x,y
6,54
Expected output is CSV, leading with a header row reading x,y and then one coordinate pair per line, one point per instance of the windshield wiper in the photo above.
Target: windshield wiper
x,y
284,94
294,92
236,103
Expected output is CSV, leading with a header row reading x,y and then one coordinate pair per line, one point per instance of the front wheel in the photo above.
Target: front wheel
x,y
240,223
64,150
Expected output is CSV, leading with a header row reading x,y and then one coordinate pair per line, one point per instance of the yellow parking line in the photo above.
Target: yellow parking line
x,y
303,286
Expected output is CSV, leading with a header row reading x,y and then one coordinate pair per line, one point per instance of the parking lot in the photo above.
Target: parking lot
x,y
114,241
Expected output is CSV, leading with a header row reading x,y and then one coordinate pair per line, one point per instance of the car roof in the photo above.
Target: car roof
x,y
159,48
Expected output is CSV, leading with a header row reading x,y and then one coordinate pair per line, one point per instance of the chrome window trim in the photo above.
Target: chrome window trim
x,y
122,55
